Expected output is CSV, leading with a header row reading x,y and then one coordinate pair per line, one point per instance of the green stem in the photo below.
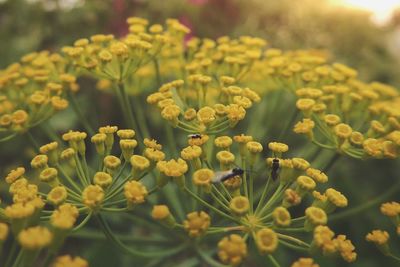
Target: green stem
x,y
84,221
204,203
274,262
80,115
142,254
33,141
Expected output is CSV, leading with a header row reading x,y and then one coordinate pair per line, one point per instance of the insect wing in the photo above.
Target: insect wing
x,y
220,176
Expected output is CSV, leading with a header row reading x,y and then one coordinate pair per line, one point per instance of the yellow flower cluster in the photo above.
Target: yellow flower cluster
x,y
228,190
203,105
380,237
33,90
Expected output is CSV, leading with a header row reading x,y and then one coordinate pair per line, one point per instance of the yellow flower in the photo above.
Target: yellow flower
x,y
291,198
345,248
64,217
305,105
317,175
343,130
332,119
127,147
223,142
203,178
225,157
15,175
254,147
304,262
112,162
278,147
191,152
57,195
281,216
206,115
39,162
390,209
304,127
151,143
266,240
300,164
139,164
162,213
126,133
49,175
173,168
235,113
242,101
336,198
197,223
35,238
232,249
92,196
314,217
239,205
68,261
67,154
59,103
135,192
154,155
190,114
3,231
171,112
19,117
323,239
19,211
380,239
102,179
305,184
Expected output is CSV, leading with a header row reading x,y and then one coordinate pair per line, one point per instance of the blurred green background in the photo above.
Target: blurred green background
x,y
348,35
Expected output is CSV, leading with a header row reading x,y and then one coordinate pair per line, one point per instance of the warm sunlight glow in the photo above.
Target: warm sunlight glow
x,y
381,9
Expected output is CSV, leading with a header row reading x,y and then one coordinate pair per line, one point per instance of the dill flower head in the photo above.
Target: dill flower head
x,y
315,216
232,249
239,205
304,262
57,195
111,162
69,261
135,192
266,240
390,209
92,196
191,152
48,175
39,162
203,178
3,232
317,175
64,217
15,175
35,238
19,210
223,142
139,163
102,179
197,223
378,237
225,157
281,216
173,168
278,147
